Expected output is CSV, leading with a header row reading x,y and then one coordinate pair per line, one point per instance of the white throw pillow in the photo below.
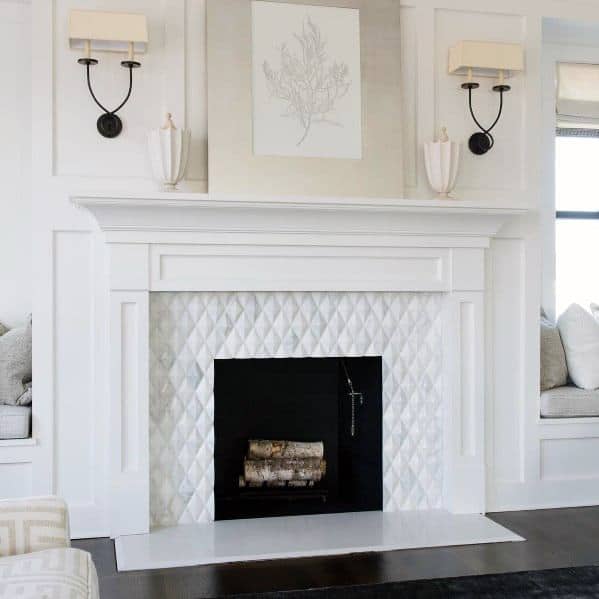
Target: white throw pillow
x,y
580,336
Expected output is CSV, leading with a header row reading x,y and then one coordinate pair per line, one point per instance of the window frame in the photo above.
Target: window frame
x,y
576,214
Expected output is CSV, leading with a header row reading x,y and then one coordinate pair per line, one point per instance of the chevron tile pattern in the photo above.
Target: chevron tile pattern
x,y
189,330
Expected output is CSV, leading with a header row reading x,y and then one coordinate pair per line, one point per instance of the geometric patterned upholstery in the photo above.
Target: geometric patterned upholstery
x,y
33,524
52,574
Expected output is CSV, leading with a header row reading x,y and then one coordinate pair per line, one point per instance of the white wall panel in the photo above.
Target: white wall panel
x,y
195,89
501,170
409,74
15,480
580,463
74,394
506,332
79,150
15,146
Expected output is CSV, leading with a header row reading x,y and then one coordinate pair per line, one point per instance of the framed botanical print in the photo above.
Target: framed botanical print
x,y
304,97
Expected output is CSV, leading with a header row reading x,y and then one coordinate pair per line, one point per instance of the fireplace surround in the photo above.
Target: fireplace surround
x,y
189,331
197,243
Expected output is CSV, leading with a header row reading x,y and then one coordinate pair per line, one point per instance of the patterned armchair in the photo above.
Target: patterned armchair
x,y
36,560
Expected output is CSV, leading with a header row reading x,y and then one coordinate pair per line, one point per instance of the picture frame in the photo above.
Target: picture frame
x,y
262,142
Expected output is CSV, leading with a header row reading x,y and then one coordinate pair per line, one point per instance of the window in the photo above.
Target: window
x,y
577,217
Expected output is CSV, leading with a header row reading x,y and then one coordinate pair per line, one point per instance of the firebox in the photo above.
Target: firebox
x,y
297,436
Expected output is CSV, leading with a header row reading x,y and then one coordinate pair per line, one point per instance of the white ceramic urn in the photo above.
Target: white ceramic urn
x,y
441,159
169,150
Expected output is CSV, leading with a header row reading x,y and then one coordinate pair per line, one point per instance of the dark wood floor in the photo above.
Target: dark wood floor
x,y
555,539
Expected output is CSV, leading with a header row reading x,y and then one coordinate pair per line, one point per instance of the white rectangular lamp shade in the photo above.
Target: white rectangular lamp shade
x,y
108,31
485,59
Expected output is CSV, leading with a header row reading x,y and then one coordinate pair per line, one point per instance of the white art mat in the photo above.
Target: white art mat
x,y
307,97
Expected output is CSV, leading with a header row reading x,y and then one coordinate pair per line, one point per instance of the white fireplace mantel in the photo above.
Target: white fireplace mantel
x,y
196,212
199,242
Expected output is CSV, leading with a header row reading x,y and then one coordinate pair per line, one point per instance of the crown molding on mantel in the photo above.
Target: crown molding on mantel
x,y
218,213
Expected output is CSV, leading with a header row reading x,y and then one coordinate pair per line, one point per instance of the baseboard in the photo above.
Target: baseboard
x,y
543,495
87,521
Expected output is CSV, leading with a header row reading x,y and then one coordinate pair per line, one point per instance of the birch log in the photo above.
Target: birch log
x,y
293,484
284,469
265,450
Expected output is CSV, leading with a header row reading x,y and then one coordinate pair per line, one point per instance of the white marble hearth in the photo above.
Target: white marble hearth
x,y
303,536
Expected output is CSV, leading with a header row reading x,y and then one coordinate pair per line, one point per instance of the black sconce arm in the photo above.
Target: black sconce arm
x,y
109,123
101,106
481,142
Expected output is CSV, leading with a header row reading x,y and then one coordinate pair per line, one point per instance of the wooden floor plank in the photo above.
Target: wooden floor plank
x,y
555,539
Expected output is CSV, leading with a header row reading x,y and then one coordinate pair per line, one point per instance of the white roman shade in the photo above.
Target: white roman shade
x,y
578,95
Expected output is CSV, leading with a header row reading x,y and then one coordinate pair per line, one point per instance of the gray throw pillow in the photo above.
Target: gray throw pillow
x,y
554,371
15,364
3,329
27,398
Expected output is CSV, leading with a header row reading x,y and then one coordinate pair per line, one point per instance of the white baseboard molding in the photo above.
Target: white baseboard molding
x,y
541,495
87,521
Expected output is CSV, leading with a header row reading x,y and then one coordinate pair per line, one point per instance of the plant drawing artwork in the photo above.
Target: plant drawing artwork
x,y
306,80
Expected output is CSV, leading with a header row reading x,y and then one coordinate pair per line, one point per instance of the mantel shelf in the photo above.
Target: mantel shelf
x,y
312,203
147,213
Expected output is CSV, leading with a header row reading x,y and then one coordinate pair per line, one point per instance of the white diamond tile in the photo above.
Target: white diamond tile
x,y
189,330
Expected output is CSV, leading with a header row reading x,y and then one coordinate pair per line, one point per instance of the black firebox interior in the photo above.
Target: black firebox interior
x,y
300,399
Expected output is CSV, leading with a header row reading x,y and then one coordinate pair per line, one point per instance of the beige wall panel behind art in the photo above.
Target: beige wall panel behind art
x,y
233,167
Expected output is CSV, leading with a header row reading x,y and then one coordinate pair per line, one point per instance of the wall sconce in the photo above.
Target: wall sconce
x,y
485,59
108,32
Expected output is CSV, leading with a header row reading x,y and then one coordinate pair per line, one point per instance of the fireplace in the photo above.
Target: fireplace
x,y
334,403
194,278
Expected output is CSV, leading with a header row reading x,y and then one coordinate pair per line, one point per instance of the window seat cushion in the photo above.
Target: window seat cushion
x,y
15,422
569,402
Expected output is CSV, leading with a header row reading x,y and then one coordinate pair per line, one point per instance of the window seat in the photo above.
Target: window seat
x,y
15,422
569,402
